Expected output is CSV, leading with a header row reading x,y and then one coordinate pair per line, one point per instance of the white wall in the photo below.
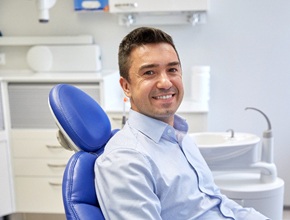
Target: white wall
x,y
246,43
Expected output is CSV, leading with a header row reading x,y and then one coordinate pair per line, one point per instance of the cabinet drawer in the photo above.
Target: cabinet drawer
x,y
39,149
37,144
38,195
33,133
39,167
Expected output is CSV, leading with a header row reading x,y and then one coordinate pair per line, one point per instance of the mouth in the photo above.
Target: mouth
x,y
164,97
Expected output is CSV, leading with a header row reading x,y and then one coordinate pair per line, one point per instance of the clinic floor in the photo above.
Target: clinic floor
x,y
286,214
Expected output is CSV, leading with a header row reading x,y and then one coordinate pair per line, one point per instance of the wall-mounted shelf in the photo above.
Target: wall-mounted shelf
x,y
148,6
140,12
170,18
43,40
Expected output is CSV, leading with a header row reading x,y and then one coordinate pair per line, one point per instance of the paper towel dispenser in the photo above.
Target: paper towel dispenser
x,y
135,12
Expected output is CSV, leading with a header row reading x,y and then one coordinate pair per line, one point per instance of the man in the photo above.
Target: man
x,y
151,169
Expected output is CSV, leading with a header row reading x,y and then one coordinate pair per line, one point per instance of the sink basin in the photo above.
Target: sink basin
x,y
224,139
221,151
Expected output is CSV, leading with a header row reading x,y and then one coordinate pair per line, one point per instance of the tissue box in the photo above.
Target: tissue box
x,y
98,5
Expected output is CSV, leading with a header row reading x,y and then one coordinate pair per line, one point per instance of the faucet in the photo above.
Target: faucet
x,y
232,132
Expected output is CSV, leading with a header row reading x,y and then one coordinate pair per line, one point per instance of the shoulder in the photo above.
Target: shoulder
x,y
125,156
124,139
125,143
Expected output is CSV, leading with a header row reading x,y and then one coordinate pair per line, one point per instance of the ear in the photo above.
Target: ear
x,y
125,86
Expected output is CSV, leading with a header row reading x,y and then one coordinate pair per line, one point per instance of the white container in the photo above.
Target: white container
x,y
200,83
65,58
247,190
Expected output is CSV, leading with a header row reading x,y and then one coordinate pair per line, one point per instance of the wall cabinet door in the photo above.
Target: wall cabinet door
x,y
29,105
6,195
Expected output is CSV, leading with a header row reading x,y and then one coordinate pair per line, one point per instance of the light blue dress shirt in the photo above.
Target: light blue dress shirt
x,y
151,170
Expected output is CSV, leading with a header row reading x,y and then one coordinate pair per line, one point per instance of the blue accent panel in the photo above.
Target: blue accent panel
x,y
102,4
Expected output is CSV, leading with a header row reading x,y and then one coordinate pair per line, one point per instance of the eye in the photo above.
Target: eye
x,y
149,72
173,70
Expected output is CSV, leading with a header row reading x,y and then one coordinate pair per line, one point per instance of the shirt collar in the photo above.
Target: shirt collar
x,y
154,128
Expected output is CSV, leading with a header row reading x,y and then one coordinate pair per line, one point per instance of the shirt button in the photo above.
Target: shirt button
x,y
169,131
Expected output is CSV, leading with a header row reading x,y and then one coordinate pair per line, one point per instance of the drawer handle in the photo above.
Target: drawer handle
x,y
116,119
54,183
56,165
54,146
126,5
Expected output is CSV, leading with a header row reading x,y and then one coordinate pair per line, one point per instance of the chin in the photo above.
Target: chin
x,y
165,114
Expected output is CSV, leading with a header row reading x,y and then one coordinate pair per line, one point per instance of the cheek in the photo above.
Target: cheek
x,y
145,88
180,86
179,83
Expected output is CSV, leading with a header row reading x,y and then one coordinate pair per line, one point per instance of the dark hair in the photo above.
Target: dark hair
x,y
136,38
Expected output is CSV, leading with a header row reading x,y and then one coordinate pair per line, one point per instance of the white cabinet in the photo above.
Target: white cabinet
x,y
6,175
34,156
6,185
38,159
39,162
121,6
146,12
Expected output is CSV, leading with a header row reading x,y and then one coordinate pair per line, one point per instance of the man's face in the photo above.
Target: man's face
x,y
155,88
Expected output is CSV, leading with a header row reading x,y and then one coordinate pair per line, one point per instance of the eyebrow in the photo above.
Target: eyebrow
x,y
147,66
175,63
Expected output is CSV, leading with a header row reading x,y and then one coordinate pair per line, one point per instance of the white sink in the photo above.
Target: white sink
x,y
221,151
224,139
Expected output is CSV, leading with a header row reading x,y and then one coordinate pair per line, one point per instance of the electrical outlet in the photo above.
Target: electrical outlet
x,y
2,59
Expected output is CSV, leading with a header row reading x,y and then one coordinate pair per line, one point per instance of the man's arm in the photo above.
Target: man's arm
x,y
125,186
243,213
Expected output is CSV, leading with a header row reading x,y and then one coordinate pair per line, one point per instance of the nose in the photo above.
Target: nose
x,y
164,81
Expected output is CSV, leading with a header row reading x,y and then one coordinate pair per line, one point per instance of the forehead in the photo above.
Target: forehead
x,y
153,53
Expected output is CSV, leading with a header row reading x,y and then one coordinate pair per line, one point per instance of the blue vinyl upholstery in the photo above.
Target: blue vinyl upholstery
x,y
85,128
78,189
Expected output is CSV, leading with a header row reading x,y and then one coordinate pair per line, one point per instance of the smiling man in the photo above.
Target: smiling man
x,y
151,169
154,83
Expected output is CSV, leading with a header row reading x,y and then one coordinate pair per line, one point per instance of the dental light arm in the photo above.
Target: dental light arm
x,y
43,7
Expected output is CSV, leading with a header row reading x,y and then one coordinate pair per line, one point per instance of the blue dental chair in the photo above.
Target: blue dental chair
x,y
85,128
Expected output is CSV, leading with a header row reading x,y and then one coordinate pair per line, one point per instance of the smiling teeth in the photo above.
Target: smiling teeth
x,y
164,97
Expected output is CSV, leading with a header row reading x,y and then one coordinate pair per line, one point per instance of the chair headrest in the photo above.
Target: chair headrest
x,y
81,120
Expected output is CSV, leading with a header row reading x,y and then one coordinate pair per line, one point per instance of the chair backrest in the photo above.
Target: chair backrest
x,y
85,128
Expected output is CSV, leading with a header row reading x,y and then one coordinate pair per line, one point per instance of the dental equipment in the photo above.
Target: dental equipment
x,y
43,6
124,118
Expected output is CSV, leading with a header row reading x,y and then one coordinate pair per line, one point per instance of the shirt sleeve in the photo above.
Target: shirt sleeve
x,y
242,213
125,186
